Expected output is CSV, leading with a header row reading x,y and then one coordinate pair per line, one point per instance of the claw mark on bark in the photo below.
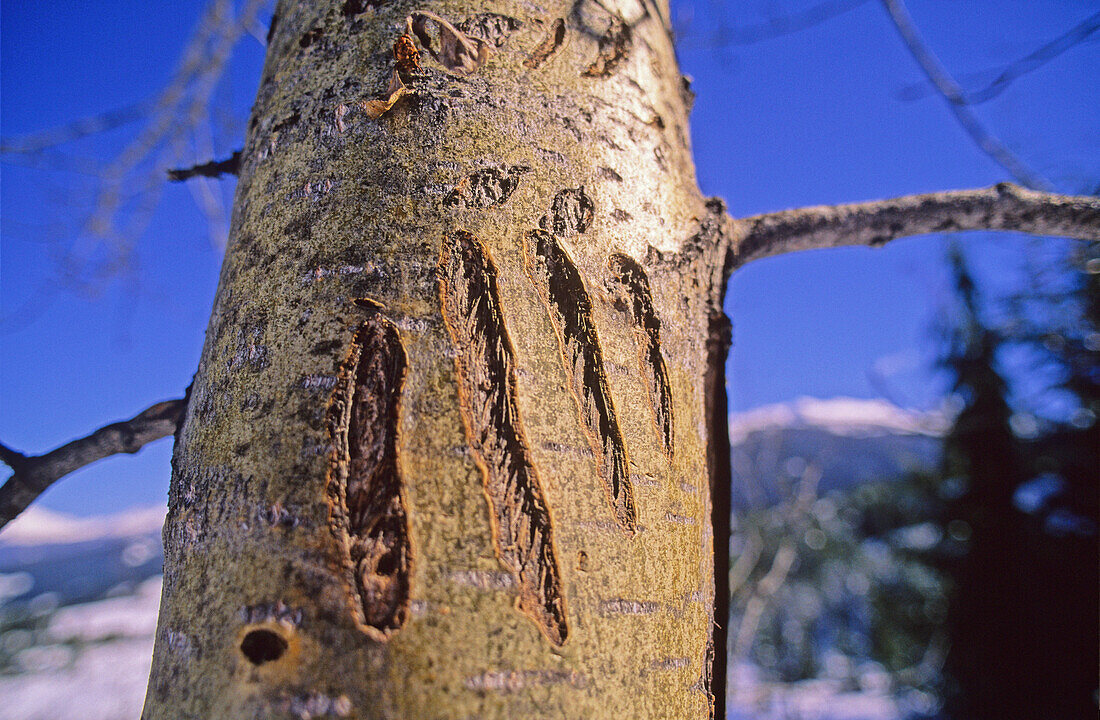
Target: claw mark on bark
x,y
615,45
368,485
486,188
567,302
632,287
485,369
550,45
489,27
571,212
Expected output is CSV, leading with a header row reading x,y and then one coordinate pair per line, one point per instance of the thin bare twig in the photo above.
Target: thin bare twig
x,y
778,26
80,128
956,100
1002,207
34,474
175,120
789,24
765,589
212,169
1028,63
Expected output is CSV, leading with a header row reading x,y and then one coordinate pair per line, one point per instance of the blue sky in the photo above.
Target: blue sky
x,y
809,118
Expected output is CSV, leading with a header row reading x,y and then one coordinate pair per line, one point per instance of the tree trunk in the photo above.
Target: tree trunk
x,y
446,452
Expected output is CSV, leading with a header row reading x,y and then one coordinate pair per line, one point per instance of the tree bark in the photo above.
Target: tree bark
x,y
1001,207
446,453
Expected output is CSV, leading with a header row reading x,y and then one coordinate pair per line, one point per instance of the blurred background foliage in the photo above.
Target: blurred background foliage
x,y
967,591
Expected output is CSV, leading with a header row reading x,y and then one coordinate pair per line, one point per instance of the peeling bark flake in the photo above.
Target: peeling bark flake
x,y
485,369
632,286
370,491
563,294
378,107
459,53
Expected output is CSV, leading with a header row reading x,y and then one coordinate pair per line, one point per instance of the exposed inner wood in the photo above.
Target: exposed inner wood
x,y
366,411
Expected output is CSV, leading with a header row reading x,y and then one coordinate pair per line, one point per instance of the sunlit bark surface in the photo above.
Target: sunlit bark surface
x,y
446,451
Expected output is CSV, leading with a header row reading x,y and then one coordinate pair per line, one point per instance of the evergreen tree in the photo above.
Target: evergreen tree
x,y
1022,621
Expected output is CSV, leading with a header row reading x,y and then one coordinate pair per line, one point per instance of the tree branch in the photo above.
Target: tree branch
x,y
781,25
33,475
213,169
1001,207
1029,63
80,128
957,101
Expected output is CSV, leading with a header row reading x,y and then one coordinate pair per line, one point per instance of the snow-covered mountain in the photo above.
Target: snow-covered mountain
x,y
38,526
844,416
847,440
75,560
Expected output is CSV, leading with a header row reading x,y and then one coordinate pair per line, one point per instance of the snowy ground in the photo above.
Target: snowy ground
x,y
93,665
753,697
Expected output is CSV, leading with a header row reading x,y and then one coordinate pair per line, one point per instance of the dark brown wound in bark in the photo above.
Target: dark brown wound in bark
x,y
632,286
485,188
365,412
550,44
485,369
615,45
562,290
571,212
